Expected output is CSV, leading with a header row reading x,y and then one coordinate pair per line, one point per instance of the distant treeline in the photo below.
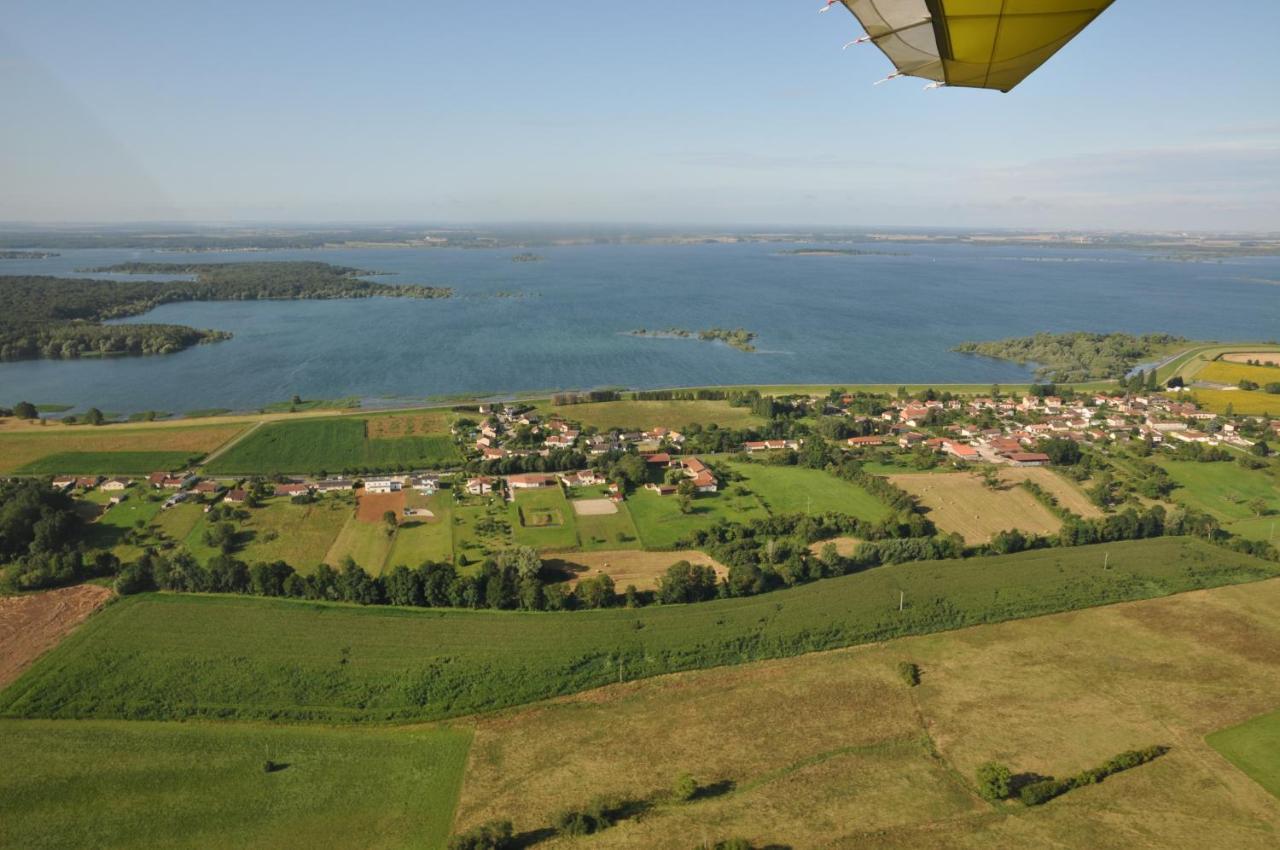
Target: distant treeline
x,y
1077,356
59,318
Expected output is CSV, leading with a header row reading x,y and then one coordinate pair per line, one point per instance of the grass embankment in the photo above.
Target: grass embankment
x,y
1254,747
191,785
332,445
175,656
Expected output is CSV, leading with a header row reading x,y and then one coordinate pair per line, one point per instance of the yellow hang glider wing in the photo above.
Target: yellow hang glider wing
x,y
985,44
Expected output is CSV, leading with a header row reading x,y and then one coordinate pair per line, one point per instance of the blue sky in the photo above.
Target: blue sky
x,y
670,112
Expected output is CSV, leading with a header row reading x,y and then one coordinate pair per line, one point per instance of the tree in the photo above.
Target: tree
x,y
994,781
25,410
685,788
390,521
685,582
94,416
1259,506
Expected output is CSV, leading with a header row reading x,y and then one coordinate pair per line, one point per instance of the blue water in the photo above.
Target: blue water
x,y
881,319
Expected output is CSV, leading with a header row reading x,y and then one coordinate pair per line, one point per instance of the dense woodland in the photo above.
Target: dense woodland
x,y
59,318
1077,356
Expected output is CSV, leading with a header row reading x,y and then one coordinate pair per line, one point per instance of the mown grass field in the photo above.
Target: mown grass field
x,y
662,526
331,445
166,657
643,415
419,540
193,785
367,543
1068,493
607,531
796,489
29,449
544,519
963,504
300,535
833,750
108,531
1254,747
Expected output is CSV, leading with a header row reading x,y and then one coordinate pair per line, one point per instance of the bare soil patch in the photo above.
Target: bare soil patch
x,y
845,546
595,507
32,625
960,502
1068,494
373,505
628,566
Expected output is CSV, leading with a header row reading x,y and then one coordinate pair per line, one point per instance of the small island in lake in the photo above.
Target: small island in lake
x,y
526,258
738,338
26,255
838,252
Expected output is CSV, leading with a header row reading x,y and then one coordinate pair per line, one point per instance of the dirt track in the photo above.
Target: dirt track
x,y
32,625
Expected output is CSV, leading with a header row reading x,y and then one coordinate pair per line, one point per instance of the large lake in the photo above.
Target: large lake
x,y
865,319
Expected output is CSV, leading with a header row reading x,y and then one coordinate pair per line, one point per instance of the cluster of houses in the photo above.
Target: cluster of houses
x,y
1022,423
496,435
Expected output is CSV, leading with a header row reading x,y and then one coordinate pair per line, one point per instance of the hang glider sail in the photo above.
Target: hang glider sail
x,y
985,44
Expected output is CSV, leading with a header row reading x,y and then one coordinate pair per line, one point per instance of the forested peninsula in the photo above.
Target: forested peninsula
x,y
60,318
1078,356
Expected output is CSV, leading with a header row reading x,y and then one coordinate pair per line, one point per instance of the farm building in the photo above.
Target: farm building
x,y
383,485
292,489
1028,458
329,485
236,497
530,481
115,485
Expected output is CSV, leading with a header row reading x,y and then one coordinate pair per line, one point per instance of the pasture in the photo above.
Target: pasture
x,y
644,415
1223,490
300,535
614,530
331,445
544,519
962,503
1254,747
628,566
661,524
832,750
798,490
168,656
193,785
108,449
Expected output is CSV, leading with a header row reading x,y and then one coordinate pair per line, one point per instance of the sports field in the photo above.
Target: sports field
x,y
1254,747
606,530
109,449
797,489
196,785
643,415
164,657
331,445
833,750
962,503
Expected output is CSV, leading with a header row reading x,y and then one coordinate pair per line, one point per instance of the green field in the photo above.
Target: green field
x,y
797,489
419,540
367,543
1254,747
1224,490
107,463
662,526
607,531
469,515
331,445
544,519
193,785
109,529
165,656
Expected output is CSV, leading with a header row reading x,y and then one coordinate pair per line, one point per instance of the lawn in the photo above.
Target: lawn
x,y
171,656
194,785
367,543
1223,490
108,463
962,503
663,526
1254,747
419,540
832,750
332,445
798,489
643,415
109,530
300,535
92,448
544,519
